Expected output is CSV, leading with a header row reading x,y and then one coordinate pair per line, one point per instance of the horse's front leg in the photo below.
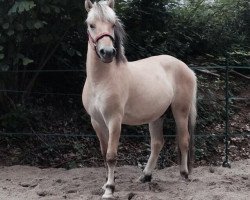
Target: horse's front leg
x,y
102,133
114,126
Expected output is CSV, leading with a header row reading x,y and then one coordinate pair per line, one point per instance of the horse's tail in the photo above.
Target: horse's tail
x,y
191,129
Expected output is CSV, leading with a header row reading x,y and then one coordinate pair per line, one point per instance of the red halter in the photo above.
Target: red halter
x,y
94,41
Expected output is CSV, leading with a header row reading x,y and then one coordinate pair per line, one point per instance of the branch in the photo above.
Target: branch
x,y
239,74
197,5
41,66
208,72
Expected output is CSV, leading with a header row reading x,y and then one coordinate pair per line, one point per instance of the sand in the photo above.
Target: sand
x,y
215,183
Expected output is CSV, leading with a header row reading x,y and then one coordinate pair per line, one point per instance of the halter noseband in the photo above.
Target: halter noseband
x,y
95,41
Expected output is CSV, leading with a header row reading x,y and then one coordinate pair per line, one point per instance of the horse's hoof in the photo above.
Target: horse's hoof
x,y
184,175
108,197
109,191
145,178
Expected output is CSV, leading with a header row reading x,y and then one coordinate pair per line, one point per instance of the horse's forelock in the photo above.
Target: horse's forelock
x,y
100,11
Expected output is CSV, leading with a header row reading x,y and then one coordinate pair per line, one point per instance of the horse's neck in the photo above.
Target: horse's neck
x,y
97,71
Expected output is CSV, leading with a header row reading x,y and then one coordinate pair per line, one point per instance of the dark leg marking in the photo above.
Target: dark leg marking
x,y
146,178
130,196
184,174
111,187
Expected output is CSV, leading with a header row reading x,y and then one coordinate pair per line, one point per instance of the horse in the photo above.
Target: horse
x,y
118,92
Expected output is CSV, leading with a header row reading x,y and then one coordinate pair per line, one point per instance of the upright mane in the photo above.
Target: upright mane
x,y
100,11
120,36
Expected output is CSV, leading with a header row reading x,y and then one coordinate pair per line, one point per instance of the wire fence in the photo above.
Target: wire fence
x,y
227,98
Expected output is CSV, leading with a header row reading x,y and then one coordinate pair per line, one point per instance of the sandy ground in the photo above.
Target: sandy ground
x,y
215,183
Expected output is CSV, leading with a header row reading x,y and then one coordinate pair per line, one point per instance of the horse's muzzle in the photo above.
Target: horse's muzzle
x,y
107,54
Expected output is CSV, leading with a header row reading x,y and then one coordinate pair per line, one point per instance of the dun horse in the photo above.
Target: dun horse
x,y
119,92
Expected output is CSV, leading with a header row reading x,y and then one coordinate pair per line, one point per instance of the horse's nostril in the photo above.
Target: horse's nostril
x,y
107,52
102,52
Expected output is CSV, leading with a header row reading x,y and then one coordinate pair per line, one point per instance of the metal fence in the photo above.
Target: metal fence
x,y
226,135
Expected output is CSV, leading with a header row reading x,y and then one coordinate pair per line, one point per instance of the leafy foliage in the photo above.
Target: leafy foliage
x,y
50,34
36,34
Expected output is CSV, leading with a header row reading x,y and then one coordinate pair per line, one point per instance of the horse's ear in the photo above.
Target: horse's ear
x,y
111,3
88,5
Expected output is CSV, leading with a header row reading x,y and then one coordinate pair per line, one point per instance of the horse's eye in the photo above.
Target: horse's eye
x,y
92,26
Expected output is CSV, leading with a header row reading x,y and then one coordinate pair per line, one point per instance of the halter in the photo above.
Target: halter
x,y
100,36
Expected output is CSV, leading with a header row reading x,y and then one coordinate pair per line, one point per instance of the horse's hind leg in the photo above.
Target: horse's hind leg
x,y
157,142
181,113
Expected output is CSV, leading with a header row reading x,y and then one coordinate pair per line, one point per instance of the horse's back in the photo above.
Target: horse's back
x,y
167,62
175,72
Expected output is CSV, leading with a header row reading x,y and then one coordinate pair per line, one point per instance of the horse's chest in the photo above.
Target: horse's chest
x,y
100,102
92,104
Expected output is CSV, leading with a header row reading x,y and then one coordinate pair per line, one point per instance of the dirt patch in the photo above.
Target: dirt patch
x,y
216,183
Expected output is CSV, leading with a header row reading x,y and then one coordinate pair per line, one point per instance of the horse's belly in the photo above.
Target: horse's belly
x,y
147,108
145,115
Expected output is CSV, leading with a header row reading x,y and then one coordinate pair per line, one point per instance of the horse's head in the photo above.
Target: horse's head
x,y
101,22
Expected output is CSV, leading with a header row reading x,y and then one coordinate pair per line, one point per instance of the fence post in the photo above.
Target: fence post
x,y
226,162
